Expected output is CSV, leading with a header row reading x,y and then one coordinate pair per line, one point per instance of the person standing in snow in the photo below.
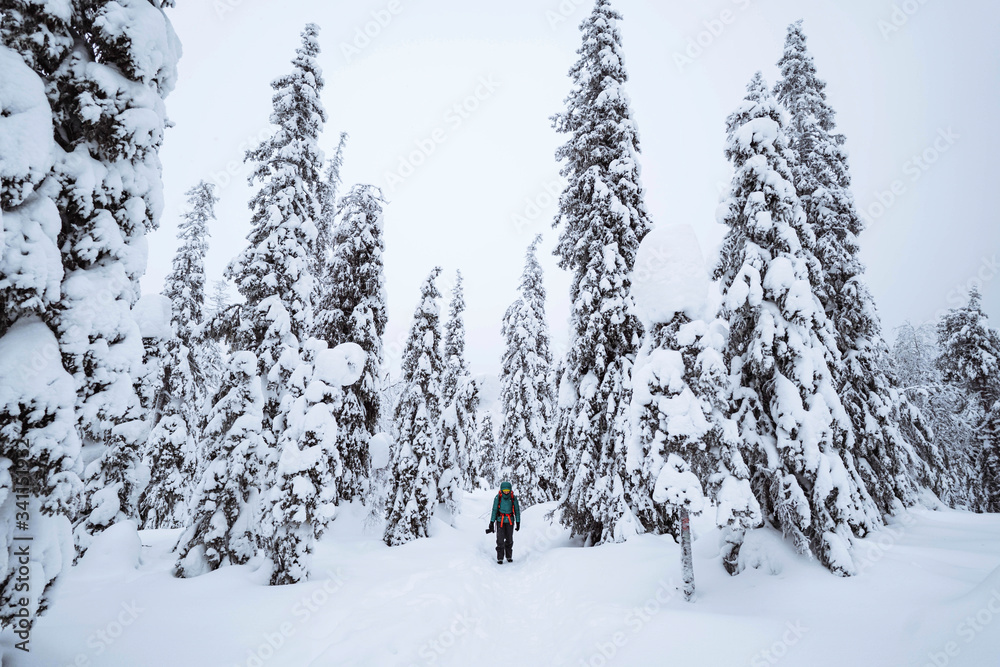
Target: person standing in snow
x,y
507,518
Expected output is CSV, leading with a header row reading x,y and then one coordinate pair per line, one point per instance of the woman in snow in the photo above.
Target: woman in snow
x,y
507,518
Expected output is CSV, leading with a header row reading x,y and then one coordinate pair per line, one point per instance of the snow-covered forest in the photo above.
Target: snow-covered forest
x,y
722,454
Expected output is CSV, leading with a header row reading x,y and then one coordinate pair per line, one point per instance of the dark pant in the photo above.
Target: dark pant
x,y
505,539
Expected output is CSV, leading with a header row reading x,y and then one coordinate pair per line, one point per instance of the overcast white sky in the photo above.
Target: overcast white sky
x,y
896,93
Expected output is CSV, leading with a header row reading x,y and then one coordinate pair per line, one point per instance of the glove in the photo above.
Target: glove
x,y
517,526
490,529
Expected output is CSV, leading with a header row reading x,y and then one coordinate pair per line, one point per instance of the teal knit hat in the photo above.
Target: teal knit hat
x,y
506,486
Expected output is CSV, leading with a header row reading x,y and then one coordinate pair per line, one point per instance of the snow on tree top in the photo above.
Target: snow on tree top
x,y
342,366
670,276
152,313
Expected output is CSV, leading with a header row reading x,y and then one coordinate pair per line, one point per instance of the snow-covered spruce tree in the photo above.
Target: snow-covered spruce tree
x,y
303,501
483,460
791,421
224,526
40,462
459,403
876,446
327,191
175,419
970,351
105,100
274,272
932,427
352,308
683,447
969,361
603,219
415,473
989,460
944,433
185,284
526,396
72,249
185,287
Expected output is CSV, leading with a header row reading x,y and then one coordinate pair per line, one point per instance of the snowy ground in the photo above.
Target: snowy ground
x,y
928,594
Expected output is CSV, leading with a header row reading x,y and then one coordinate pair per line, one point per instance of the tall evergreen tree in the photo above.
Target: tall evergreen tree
x,y
484,457
352,308
83,122
274,272
970,362
868,391
415,473
603,219
327,192
170,449
106,113
989,460
781,347
970,351
941,432
527,398
459,401
185,287
185,284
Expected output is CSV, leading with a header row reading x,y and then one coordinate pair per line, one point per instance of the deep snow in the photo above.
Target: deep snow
x,y
929,584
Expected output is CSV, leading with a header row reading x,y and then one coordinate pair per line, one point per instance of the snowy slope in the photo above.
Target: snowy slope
x,y
445,601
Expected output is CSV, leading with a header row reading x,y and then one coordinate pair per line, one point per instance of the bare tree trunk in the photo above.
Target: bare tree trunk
x,y
687,560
